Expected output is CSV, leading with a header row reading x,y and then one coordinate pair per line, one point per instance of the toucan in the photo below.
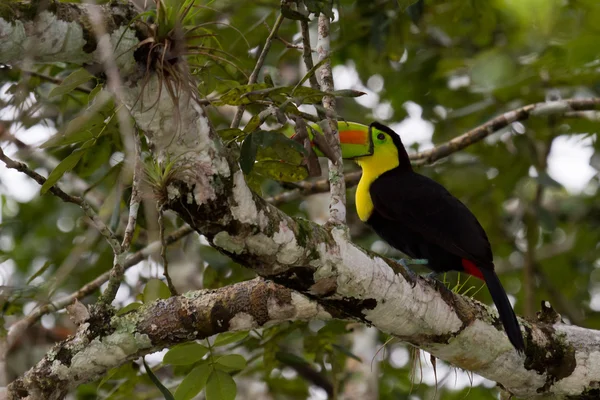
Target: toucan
x,y
418,216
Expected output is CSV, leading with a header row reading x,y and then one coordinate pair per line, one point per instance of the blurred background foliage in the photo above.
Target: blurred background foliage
x,y
430,69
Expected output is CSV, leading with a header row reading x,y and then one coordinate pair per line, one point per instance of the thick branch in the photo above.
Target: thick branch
x,y
197,315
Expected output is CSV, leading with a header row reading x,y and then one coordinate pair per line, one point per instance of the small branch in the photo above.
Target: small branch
x,y
94,197
163,249
259,63
288,44
118,268
93,285
337,205
136,195
307,53
55,190
560,107
56,81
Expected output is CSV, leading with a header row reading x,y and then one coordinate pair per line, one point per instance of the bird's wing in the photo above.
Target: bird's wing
x,y
418,203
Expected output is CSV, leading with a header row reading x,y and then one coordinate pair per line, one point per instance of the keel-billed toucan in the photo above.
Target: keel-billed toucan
x,y
418,216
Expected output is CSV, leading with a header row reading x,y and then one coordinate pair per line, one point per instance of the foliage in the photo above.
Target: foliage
x,y
462,62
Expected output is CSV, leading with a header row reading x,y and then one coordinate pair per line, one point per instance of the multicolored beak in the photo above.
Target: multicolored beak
x,y
355,140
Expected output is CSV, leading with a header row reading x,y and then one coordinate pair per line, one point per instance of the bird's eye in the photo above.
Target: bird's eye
x,y
381,136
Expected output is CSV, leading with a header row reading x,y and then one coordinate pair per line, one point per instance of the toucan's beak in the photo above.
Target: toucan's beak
x,y
355,140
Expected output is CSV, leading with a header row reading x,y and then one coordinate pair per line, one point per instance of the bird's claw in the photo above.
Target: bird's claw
x,y
405,262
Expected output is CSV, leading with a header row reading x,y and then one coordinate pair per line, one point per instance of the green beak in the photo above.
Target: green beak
x,y
355,140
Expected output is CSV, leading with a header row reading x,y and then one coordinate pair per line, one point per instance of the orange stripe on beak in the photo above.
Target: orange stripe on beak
x,y
353,137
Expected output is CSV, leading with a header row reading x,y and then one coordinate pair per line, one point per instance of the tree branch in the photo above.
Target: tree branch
x,y
197,315
337,204
544,109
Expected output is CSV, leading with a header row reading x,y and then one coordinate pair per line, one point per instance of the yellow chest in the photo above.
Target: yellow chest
x,y
382,161
364,204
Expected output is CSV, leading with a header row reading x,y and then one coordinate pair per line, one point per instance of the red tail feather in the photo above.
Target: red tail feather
x,y
471,269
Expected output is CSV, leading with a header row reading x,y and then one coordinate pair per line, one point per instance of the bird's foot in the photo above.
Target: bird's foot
x,y
405,262
433,276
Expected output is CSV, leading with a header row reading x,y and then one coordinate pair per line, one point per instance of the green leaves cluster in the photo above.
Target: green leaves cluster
x,y
91,137
212,373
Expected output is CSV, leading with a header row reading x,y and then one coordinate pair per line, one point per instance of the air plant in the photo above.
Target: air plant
x,y
174,43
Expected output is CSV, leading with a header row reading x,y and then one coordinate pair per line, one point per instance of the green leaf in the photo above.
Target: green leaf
x,y
93,160
125,371
155,289
166,393
347,93
229,337
65,165
281,171
310,73
184,354
79,129
95,92
275,146
40,271
347,352
230,133
69,84
87,125
404,4
308,95
220,386
210,278
248,153
253,124
194,382
235,96
232,362
128,308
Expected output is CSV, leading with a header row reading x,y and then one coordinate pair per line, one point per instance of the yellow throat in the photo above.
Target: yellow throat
x,y
384,158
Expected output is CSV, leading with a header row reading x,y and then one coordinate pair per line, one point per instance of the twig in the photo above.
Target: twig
x,y
559,107
136,195
118,269
307,53
93,285
163,249
49,162
259,63
55,190
54,80
337,205
288,44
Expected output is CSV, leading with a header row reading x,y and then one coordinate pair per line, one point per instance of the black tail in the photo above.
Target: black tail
x,y
507,315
